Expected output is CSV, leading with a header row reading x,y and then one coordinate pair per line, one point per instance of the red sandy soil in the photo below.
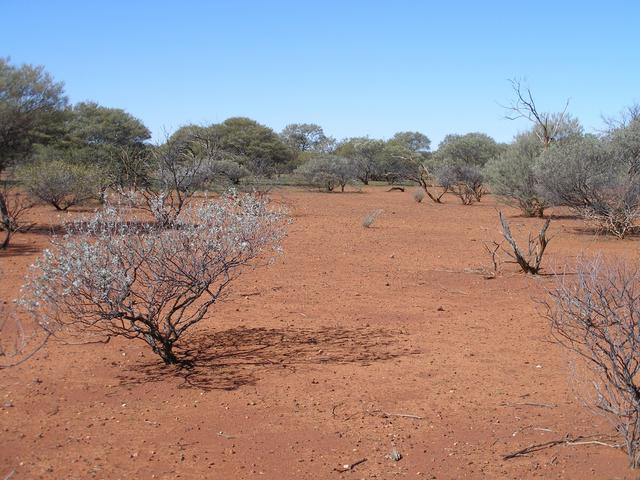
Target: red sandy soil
x,y
299,367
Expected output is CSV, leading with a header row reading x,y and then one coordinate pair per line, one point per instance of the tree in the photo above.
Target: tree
x,y
307,137
512,175
116,277
365,154
255,146
13,206
588,176
412,141
548,127
32,109
472,149
328,171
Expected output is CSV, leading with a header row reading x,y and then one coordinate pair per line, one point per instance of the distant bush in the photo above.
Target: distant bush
x,y
232,171
328,172
464,181
418,195
512,175
61,183
589,176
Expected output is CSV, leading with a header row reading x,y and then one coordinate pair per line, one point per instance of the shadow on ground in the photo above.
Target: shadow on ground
x,y
233,358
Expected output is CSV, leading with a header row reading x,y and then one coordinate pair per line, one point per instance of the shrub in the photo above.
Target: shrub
x,y
588,176
466,182
370,218
166,178
512,176
13,206
418,195
595,315
531,261
60,183
229,169
112,276
328,172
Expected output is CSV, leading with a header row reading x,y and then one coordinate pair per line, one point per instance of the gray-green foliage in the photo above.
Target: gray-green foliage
x,y
592,177
473,149
59,182
307,137
365,154
328,172
512,175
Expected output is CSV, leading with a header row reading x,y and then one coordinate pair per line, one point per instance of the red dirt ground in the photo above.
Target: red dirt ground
x,y
298,367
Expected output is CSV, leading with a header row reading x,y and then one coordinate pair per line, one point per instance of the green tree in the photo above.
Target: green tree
x,y
472,149
365,154
307,137
255,146
32,110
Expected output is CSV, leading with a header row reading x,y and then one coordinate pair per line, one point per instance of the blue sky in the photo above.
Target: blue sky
x,y
354,67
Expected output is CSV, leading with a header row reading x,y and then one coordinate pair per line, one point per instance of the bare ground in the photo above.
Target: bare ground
x,y
324,359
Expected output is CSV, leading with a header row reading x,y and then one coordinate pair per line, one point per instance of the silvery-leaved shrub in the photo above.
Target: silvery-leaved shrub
x,y
114,275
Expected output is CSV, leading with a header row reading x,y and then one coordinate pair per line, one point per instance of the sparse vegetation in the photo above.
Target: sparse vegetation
x,y
595,315
371,217
114,276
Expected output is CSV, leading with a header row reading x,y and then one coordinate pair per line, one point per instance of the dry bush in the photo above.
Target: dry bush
x,y
596,315
18,342
418,195
13,206
60,183
371,217
166,178
114,276
531,262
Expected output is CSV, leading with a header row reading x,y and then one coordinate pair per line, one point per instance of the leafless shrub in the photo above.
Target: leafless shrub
x,y
13,206
531,261
370,218
113,276
595,315
493,250
418,195
17,342
166,178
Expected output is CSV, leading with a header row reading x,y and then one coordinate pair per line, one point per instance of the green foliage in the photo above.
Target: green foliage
x,y
328,171
307,137
412,141
472,149
255,146
59,182
366,156
32,110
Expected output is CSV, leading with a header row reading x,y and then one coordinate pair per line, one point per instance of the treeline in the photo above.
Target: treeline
x,y
66,154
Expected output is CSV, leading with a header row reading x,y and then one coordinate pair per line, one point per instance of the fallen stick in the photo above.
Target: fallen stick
x,y
529,404
350,466
404,415
567,440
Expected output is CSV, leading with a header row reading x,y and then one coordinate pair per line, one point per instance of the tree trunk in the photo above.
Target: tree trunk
x,y
5,221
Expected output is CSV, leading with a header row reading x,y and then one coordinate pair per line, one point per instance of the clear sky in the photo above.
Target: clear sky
x,y
354,67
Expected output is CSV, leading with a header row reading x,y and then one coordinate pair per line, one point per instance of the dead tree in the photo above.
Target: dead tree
x,y
531,262
547,125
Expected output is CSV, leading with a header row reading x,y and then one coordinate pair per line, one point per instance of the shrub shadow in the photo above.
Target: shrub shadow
x,y
233,358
